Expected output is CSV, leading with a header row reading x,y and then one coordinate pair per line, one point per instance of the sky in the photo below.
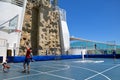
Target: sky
x,y
97,20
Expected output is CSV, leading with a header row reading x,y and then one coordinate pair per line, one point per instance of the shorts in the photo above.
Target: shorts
x,y
27,61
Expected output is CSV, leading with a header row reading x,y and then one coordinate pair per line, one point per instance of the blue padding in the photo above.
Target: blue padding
x,y
19,58
1,59
15,58
43,58
10,59
70,56
99,56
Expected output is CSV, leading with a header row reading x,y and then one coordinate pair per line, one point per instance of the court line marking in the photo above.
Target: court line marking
x,y
40,72
60,76
54,66
67,67
103,72
92,71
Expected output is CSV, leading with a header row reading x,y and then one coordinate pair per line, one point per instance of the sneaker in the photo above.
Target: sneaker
x,y
24,71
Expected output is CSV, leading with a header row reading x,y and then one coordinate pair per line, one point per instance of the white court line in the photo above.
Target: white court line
x,y
60,76
40,72
67,67
103,72
60,69
55,67
92,71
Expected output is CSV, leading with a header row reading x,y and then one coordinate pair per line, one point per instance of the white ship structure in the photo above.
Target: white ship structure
x,y
11,21
64,32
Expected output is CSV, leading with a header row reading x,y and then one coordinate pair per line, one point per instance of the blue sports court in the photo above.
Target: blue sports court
x,y
68,69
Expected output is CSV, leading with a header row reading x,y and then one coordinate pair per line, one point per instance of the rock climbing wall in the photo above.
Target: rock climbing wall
x,y
41,28
26,29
